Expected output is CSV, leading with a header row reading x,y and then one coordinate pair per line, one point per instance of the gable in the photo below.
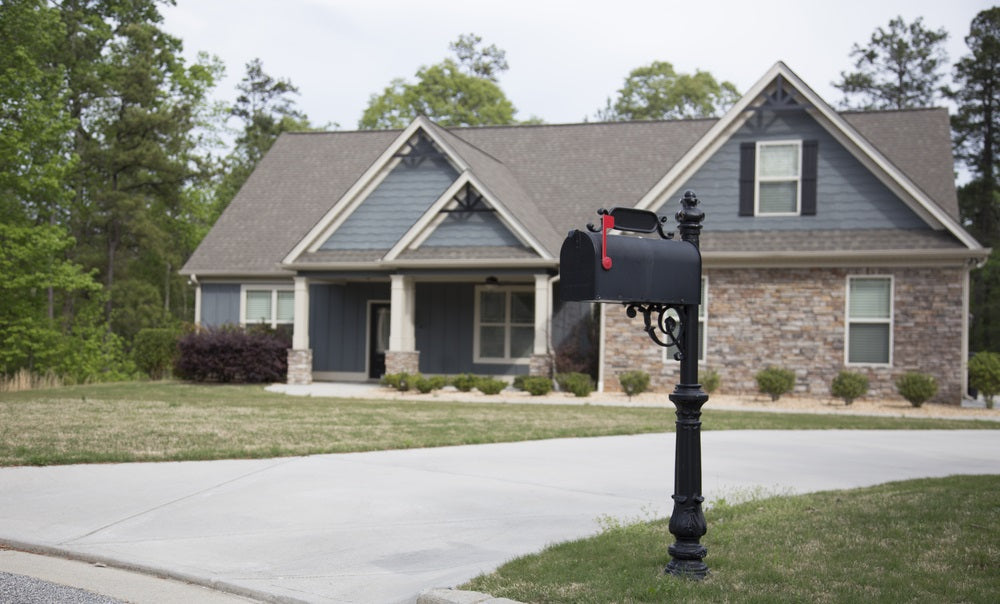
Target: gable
x,y
848,195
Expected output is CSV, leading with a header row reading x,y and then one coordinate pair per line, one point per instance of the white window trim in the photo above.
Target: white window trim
x,y
274,288
891,321
703,326
758,179
506,359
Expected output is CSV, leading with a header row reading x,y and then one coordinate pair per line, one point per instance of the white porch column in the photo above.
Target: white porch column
x,y
542,318
402,304
300,330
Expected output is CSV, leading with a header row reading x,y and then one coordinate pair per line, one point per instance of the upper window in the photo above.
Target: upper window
x,y
269,306
505,324
869,320
779,167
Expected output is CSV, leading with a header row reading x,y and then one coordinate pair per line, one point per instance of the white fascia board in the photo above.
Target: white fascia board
x,y
508,219
490,263
424,224
361,188
848,258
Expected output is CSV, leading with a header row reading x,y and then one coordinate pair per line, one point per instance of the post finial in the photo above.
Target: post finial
x,y
689,218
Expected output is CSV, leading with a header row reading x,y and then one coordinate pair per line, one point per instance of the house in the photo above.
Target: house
x,y
832,240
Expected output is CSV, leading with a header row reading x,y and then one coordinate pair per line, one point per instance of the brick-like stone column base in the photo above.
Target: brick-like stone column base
x,y
300,365
397,361
541,364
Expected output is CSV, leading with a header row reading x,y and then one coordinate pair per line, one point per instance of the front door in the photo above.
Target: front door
x,y
378,338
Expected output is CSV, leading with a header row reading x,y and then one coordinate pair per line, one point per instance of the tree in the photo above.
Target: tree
x,y
657,92
899,69
463,93
266,110
976,129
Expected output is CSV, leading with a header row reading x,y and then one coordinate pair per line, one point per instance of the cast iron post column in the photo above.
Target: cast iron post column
x,y
687,522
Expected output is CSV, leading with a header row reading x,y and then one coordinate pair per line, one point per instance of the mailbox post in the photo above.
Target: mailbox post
x,y
657,278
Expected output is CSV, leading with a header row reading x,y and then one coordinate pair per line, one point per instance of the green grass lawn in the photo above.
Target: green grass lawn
x,y
930,540
160,421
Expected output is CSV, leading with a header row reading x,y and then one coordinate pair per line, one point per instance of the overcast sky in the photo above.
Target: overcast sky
x,y
566,57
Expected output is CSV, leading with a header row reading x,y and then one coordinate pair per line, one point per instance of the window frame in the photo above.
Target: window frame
x,y
507,324
758,179
246,288
668,351
890,321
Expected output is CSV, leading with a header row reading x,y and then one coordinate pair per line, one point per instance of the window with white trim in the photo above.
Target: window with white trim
x,y
779,168
268,305
869,320
669,351
504,324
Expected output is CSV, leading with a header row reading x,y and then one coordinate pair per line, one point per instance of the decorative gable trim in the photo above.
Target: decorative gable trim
x,y
837,126
368,182
434,216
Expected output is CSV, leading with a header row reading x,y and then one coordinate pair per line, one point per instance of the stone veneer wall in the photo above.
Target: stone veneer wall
x,y
402,362
795,318
300,364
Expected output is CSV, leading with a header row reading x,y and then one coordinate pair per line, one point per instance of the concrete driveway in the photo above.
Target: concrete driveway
x,y
384,526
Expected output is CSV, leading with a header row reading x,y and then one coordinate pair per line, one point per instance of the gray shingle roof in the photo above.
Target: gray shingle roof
x,y
550,177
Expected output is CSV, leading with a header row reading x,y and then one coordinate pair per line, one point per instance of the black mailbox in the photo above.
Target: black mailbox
x,y
598,267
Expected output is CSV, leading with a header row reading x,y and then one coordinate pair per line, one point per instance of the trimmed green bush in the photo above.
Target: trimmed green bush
x,y
710,380
984,375
580,384
154,351
849,385
775,381
916,387
537,385
518,382
464,382
488,385
400,381
633,382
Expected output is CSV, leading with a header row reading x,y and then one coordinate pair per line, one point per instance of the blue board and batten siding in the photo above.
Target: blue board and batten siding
x,y
394,206
338,324
472,229
848,195
220,304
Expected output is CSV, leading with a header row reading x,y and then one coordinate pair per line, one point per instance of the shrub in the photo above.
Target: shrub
x,y
537,385
518,382
849,385
916,387
580,384
775,381
154,351
633,382
402,381
710,380
464,382
231,354
423,384
488,385
984,375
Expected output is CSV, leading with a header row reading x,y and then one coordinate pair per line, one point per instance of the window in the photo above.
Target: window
x,y
779,165
669,351
505,324
270,306
869,320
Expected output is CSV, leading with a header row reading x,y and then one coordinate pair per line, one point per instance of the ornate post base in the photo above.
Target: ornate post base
x,y
687,521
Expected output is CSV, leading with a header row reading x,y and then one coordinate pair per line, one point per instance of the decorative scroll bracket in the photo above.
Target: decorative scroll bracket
x,y
666,323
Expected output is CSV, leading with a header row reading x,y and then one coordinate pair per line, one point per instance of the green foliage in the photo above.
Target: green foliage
x,y
657,92
633,382
154,351
916,387
232,354
425,385
450,93
464,382
580,384
849,385
537,385
900,68
710,380
402,381
488,385
775,381
984,375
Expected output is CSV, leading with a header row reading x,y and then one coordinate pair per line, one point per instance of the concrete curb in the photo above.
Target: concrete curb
x,y
457,596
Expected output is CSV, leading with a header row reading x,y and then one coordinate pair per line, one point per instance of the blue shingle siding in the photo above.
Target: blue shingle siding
x,y
220,304
848,196
473,229
393,207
